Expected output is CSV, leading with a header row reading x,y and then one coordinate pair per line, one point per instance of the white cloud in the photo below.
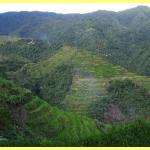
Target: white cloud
x,y
67,8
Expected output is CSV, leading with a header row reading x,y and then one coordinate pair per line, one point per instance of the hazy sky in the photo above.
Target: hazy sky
x,y
67,8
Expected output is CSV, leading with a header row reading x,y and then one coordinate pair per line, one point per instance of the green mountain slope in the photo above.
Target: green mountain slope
x,y
76,80
90,76
51,78
27,120
4,39
11,62
122,36
91,79
27,48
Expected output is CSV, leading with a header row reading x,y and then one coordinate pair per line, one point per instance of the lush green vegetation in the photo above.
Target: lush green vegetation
x,y
11,62
25,117
92,75
49,126
50,78
4,39
133,134
123,37
16,52
75,80
126,100
53,87
29,49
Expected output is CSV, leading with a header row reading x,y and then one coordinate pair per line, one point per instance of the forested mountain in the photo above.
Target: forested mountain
x,y
122,36
75,79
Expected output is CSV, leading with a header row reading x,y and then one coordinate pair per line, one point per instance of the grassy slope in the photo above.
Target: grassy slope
x,y
92,74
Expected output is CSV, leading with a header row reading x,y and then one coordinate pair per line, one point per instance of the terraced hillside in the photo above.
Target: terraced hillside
x,y
88,95
84,75
91,78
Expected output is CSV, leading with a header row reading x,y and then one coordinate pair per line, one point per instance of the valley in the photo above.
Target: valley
x,y
75,79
